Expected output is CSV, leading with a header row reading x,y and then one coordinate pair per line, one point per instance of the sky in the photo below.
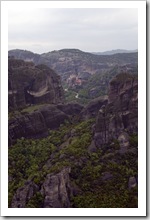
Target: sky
x,y
41,30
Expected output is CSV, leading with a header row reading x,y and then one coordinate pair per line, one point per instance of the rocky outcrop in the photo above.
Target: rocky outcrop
x,y
123,142
121,112
91,110
36,123
29,126
24,194
70,108
132,182
29,84
56,190
53,116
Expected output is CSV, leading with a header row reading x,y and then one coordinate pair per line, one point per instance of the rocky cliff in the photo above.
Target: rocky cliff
x,y
35,124
121,112
91,162
92,108
56,190
29,84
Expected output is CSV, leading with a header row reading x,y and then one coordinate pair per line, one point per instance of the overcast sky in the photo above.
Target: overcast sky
x,y
91,30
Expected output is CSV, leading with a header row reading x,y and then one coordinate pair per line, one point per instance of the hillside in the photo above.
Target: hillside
x,y
84,75
96,85
67,62
87,158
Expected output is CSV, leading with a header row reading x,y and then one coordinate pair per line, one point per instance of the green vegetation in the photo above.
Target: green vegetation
x,y
21,111
36,201
95,86
70,96
68,147
133,140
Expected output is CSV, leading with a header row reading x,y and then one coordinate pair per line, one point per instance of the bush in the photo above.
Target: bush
x,y
133,140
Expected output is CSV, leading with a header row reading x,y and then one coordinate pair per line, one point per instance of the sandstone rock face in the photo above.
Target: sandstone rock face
x,y
56,190
24,194
121,112
29,84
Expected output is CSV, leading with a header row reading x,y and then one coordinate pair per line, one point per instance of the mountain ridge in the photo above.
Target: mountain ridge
x,y
111,52
73,61
107,52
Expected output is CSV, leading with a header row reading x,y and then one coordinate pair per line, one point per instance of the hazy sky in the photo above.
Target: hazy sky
x,y
93,30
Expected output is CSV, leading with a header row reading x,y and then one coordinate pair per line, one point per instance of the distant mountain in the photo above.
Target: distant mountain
x,y
67,62
111,52
24,55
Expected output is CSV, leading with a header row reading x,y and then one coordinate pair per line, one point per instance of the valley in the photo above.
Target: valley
x,y
72,130
84,73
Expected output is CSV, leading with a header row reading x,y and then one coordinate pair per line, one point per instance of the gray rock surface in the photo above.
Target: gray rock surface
x,y
70,108
24,194
36,124
121,112
123,142
91,110
29,84
132,182
56,190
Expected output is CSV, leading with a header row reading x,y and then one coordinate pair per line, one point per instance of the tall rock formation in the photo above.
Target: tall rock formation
x,y
29,84
56,190
121,112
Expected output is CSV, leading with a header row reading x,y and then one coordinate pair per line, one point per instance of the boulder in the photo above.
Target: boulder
x,y
123,142
132,182
56,190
